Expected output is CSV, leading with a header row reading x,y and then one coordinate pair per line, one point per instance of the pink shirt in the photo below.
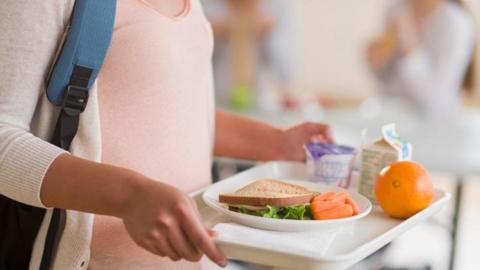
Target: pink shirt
x,y
156,111
155,94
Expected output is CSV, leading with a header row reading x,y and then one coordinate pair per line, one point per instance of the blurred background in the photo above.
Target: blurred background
x,y
358,65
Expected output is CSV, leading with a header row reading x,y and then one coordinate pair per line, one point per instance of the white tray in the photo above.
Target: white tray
x,y
353,243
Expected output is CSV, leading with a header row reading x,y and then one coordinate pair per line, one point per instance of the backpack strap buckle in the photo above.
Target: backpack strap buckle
x,y
75,100
75,97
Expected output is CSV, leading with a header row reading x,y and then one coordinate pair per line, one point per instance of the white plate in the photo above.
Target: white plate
x,y
210,196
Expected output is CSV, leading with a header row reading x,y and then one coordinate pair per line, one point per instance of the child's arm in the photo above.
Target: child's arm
x,y
36,173
240,137
157,216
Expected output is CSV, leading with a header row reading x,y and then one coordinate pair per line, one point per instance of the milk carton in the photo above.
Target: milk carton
x,y
378,155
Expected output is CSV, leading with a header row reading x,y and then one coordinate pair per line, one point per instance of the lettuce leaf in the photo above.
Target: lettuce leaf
x,y
295,211
298,212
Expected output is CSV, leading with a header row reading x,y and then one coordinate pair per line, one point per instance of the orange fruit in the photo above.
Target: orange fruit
x,y
403,189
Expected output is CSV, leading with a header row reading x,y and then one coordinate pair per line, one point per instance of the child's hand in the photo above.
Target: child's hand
x,y
165,221
381,52
292,139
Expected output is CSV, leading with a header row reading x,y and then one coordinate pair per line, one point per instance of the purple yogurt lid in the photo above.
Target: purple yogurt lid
x,y
319,149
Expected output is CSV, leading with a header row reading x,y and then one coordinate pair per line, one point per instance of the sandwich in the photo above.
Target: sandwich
x,y
271,198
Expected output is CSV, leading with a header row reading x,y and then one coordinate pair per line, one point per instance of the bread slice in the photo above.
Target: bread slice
x,y
268,192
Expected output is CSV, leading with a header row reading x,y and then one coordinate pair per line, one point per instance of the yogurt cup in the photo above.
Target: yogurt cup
x,y
330,163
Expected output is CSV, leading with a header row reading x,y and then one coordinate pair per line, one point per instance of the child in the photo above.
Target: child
x,y
424,54
145,139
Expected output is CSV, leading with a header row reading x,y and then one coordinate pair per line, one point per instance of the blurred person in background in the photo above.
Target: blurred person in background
x,y
252,43
424,55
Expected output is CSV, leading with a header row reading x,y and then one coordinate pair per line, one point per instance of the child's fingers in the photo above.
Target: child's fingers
x,y
319,131
162,247
318,139
199,236
212,233
182,245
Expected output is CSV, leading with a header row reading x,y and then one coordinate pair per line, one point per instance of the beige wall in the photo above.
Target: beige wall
x,y
331,37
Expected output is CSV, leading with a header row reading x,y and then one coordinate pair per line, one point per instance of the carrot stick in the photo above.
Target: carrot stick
x,y
319,205
339,196
338,212
353,204
323,196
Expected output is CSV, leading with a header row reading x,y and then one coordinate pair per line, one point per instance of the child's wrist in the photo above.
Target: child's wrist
x,y
128,191
277,150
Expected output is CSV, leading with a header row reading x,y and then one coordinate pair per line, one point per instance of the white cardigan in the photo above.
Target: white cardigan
x,y
30,33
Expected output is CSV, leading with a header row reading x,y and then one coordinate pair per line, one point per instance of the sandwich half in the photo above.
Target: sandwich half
x,y
271,198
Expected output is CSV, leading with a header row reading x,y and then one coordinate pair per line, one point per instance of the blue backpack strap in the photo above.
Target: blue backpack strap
x,y
79,63
76,69
85,47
